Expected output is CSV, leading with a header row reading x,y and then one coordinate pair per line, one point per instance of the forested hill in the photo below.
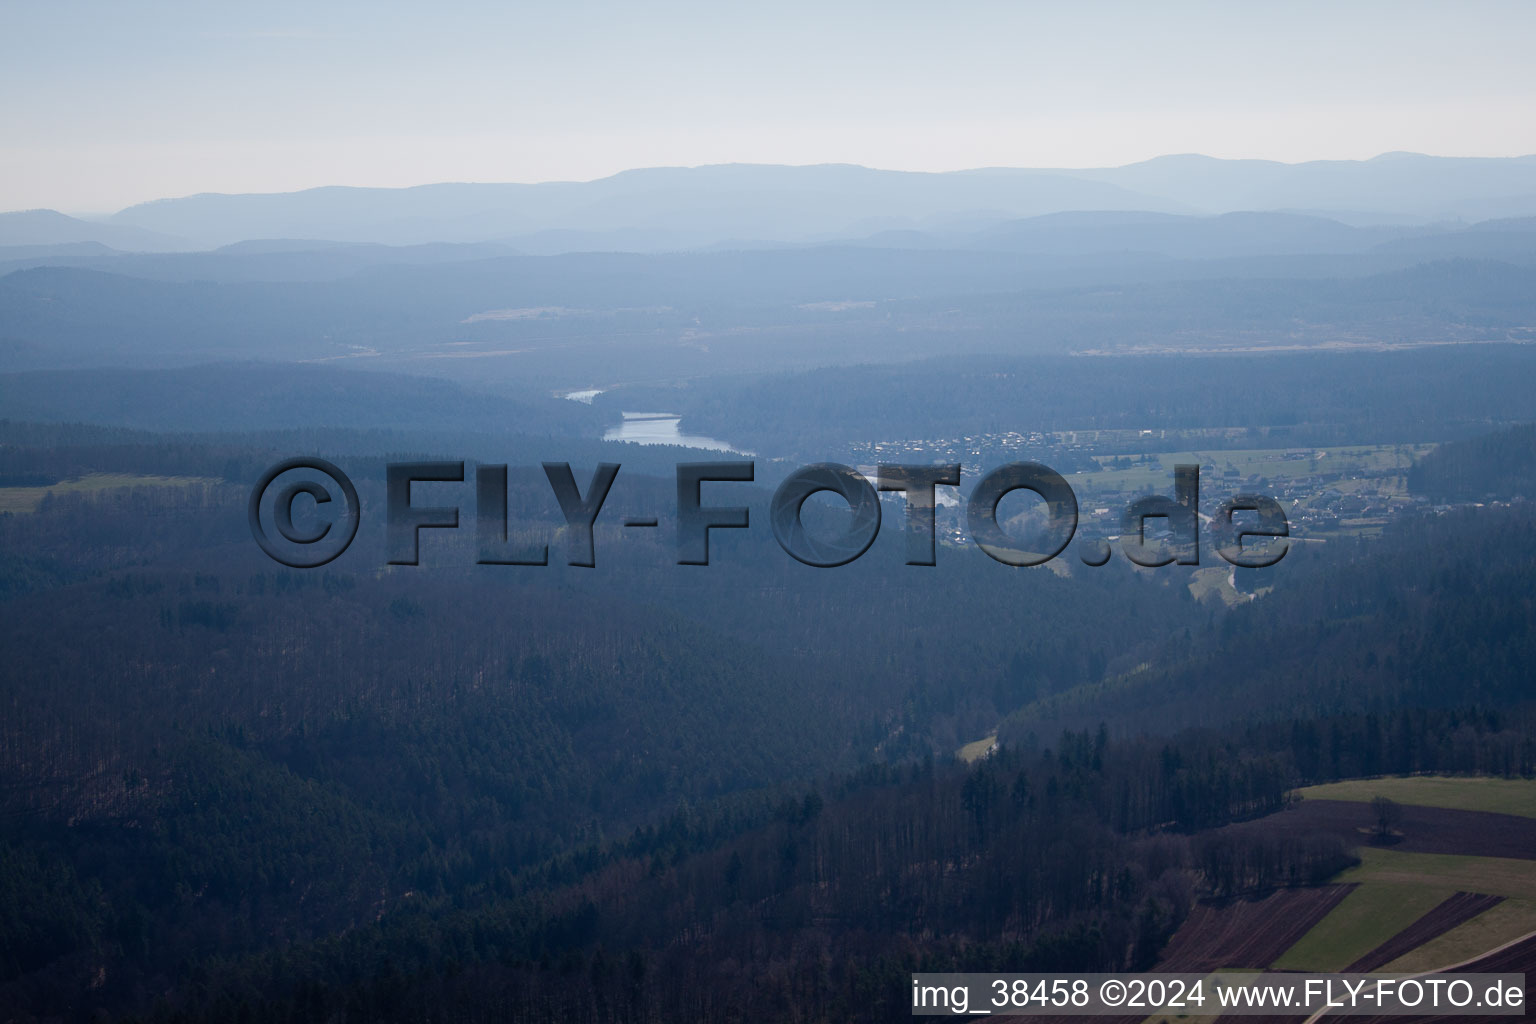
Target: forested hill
x,y
563,767
1082,856
1438,614
1499,466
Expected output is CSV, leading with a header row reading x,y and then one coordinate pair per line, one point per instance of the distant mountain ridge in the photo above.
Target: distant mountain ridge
x,y
648,209
1115,241
1430,187
674,208
45,228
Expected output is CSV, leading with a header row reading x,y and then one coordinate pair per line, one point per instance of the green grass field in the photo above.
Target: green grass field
x,y
1396,889
1488,930
1363,920
976,750
23,500
1215,580
1497,876
1502,796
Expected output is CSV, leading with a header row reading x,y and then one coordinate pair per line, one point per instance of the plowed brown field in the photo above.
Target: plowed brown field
x,y
1422,829
1248,933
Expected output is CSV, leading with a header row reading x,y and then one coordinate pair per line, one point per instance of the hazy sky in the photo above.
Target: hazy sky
x,y
110,103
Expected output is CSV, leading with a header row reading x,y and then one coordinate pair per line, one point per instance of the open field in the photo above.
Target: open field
x,y
21,500
1519,958
1452,884
1496,876
1247,933
1488,930
1217,580
1457,929
1499,796
1363,920
1449,914
976,749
